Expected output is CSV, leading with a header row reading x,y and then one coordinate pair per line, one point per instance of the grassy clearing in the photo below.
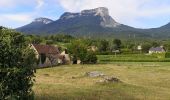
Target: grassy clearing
x,y
141,81
131,58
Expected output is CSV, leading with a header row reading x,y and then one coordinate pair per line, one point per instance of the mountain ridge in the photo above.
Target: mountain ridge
x,y
91,23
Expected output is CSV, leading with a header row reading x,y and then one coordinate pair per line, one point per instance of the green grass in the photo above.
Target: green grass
x,y
131,58
140,81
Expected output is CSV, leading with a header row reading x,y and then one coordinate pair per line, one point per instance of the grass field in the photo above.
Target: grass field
x,y
131,58
140,81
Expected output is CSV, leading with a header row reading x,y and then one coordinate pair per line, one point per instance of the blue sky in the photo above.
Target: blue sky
x,y
136,13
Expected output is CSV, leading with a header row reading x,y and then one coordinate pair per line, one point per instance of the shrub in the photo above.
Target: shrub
x,y
16,66
167,55
79,52
90,58
159,55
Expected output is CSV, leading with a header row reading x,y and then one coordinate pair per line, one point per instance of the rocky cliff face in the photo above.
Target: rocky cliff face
x,y
102,12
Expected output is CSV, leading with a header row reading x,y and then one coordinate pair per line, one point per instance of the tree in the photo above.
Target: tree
x,y
79,52
155,44
117,44
90,58
16,66
146,47
103,46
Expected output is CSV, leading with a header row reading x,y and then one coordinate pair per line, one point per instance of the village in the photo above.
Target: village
x,y
49,56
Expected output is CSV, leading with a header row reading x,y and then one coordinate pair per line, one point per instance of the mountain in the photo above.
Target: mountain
x,y
90,23
162,32
35,25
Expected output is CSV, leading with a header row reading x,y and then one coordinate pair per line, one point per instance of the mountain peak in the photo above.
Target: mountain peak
x,y
43,20
105,19
101,11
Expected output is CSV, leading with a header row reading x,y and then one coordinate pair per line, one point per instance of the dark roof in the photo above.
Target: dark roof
x,y
156,49
46,49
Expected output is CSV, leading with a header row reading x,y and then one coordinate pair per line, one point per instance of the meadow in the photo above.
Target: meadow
x,y
139,81
131,58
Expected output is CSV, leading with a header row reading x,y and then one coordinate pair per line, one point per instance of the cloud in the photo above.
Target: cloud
x,y
15,13
10,20
40,3
121,10
6,3
16,17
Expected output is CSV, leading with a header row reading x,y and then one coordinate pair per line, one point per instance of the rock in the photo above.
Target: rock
x,y
109,79
95,74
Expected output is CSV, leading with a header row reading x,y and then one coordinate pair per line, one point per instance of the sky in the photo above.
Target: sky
x,y
135,13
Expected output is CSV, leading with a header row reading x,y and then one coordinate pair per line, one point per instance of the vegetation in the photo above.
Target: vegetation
x,y
132,58
16,66
140,81
79,51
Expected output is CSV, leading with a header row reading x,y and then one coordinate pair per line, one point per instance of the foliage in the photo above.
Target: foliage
x,y
117,44
90,58
132,58
167,55
16,66
146,47
159,55
79,51
155,44
103,45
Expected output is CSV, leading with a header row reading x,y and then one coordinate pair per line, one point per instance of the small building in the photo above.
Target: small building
x,y
47,55
156,50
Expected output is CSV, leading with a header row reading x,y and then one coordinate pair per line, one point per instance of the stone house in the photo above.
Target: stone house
x,y
47,55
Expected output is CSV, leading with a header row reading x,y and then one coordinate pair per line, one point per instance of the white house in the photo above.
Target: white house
x,y
156,50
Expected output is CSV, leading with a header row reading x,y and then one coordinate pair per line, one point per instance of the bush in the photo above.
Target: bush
x,y
16,66
159,55
79,51
167,55
90,58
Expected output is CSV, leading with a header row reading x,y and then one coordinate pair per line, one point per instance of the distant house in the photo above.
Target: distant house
x,y
47,55
156,50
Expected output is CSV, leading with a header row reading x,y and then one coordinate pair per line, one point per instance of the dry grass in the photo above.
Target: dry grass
x,y
141,81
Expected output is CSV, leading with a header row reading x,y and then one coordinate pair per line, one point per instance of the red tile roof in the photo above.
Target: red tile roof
x,y
46,49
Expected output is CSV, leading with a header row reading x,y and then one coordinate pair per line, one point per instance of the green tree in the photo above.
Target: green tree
x,y
16,66
103,46
79,52
117,44
90,58
146,47
155,44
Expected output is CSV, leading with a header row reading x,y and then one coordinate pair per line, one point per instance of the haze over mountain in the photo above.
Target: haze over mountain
x,y
90,23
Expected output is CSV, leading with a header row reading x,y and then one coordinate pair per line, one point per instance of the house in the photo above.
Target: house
x,y
47,55
156,50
